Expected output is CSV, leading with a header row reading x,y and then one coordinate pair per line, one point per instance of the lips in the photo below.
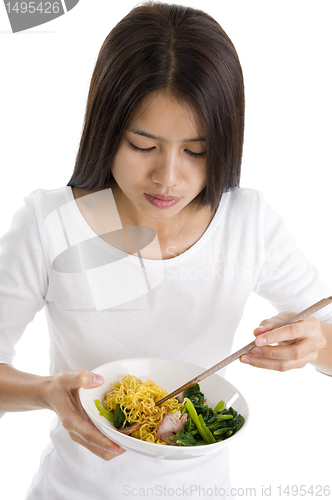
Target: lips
x,y
161,200
163,197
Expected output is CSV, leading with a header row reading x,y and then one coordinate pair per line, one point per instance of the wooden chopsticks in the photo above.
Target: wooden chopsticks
x,y
298,317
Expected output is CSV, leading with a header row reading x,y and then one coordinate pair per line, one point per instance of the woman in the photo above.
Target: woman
x,y
161,148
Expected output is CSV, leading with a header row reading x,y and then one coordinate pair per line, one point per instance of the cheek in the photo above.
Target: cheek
x,y
200,177
124,167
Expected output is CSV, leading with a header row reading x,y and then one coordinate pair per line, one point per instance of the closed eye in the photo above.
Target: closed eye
x,y
197,155
146,150
141,150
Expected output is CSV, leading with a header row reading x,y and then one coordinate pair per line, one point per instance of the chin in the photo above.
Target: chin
x,y
157,213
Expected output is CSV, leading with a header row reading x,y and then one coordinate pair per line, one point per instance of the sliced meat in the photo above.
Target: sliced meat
x,y
129,430
170,425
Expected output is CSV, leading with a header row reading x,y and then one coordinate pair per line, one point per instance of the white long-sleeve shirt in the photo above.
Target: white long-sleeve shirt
x,y
187,308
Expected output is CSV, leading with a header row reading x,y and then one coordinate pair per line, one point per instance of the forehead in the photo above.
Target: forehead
x,y
165,116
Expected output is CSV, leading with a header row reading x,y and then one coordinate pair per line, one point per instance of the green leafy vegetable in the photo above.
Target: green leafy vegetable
x,y
193,389
208,436
119,417
207,413
194,394
206,425
184,438
199,422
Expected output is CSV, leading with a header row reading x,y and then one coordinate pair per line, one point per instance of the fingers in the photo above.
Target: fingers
x,y
293,331
281,365
84,432
298,344
298,350
262,329
107,454
283,357
270,323
66,403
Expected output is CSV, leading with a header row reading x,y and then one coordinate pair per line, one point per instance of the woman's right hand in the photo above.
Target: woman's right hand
x,y
62,397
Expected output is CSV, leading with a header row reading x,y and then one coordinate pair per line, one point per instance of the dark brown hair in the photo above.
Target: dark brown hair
x,y
179,50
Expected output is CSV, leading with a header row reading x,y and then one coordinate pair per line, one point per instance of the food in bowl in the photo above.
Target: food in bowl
x,y
179,421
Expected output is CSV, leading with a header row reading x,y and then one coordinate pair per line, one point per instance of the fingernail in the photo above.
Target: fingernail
x,y
245,359
98,379
261,329
257,351
261,341
114,449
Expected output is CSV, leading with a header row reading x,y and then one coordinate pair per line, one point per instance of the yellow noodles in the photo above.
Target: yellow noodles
x,y
137,400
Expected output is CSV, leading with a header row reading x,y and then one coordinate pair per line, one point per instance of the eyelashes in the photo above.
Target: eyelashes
x,y
196,155
147,150
141,150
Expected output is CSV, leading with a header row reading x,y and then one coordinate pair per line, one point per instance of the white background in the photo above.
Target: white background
x,y
285,52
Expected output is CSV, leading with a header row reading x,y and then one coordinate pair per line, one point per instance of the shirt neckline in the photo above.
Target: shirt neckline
x,y
167,262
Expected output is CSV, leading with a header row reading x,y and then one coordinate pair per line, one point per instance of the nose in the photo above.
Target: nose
x,y
166,171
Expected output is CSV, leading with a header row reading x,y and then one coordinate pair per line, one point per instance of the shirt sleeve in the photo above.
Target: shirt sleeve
x,y
23,277
286,278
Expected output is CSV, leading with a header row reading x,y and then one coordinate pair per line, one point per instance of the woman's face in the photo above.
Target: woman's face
x,y
160,165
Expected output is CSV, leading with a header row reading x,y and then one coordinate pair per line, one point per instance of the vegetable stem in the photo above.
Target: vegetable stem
x,y
199,422
224,417
219,406
105,413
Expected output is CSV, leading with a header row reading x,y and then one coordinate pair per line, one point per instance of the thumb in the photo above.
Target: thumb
x,y
94,380
273,322
267,324
80,378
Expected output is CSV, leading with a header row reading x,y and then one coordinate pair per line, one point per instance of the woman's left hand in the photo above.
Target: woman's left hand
x,y
306,339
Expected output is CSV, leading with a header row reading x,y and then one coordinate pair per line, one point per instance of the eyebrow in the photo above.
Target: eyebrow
x,y
136,131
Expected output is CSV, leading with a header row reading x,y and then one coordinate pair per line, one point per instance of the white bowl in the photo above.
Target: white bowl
x,y
169,374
